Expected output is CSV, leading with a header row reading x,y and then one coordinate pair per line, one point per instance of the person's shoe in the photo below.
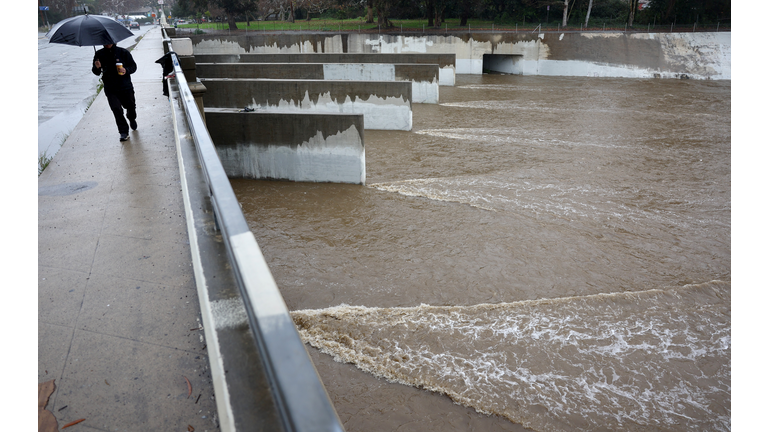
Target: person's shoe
x,y
123,137
134,126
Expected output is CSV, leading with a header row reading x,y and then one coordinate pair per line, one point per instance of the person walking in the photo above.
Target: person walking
x,y
116,65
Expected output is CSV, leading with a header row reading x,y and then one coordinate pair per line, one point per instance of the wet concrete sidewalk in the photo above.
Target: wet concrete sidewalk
x,y
119,325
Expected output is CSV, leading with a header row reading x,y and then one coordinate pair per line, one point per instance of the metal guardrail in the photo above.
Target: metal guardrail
x,y
300,397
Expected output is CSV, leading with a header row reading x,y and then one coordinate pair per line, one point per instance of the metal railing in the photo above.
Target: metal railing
x,y
299,395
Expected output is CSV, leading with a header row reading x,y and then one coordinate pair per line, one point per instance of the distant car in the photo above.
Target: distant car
x,y
135,25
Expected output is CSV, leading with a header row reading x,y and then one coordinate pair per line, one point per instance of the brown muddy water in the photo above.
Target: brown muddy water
x,y
541,252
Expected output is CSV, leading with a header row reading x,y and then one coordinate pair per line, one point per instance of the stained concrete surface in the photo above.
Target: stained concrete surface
x,y
119,325
698,55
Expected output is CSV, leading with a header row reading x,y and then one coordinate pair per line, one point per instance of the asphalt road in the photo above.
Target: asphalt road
x,y
65,88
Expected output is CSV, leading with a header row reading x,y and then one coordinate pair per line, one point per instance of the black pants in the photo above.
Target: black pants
x,y
118,100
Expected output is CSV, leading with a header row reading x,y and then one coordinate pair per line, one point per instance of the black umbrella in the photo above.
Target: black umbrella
x,y
88,30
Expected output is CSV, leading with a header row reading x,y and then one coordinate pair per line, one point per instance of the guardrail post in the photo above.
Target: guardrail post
x,y
198,90
189,67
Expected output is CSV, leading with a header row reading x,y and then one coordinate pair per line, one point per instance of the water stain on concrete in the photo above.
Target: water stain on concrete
x,y
65,189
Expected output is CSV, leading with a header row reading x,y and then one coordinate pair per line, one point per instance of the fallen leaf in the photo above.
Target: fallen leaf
x,y
72,423
106,382
46,421
190,428
44,391
189,386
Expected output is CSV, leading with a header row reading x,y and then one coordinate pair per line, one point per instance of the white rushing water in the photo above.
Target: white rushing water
x,y
651,360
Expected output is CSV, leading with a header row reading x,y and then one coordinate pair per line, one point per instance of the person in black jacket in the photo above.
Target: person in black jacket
x,y
116,65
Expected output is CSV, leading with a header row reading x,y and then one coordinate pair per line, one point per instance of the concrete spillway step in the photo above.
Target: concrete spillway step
x,y
424,78
446,62
289,146
385,105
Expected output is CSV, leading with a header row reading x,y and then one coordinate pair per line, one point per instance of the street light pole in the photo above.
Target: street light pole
x,y
43,13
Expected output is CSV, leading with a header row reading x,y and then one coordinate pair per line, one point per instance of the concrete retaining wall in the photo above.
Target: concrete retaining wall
x,y
445,62
704,55
423,77
633,55
385,104
289,146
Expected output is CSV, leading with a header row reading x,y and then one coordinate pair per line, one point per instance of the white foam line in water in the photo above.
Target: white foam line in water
x,y
653,359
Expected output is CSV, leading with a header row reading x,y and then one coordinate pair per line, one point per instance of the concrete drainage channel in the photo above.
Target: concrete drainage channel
x,y
263,377
271,119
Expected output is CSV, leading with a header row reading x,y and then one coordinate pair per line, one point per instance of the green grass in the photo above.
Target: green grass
x,y
318,24
42,162
420,25
43,159
354,24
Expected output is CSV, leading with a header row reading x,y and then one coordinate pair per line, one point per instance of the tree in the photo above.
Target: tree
x,y
429,5
315,6
468,9
292,14
670,9
440,6
369,17
279,7
688,11
382,9
183,8
497,8
589,10
565,13
632,9
121,7
233,8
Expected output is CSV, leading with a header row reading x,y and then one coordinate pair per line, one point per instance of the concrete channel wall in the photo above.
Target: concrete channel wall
x,y
289,146
385,105
702,55
445,62
423,77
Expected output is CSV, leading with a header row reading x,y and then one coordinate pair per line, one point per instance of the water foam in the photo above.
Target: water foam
x,y
649,211
657,359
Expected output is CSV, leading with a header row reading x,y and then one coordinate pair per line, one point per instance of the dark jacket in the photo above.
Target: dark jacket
x,y
109,58
166,62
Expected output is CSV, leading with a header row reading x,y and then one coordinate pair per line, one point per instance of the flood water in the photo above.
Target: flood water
x,y
541,252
